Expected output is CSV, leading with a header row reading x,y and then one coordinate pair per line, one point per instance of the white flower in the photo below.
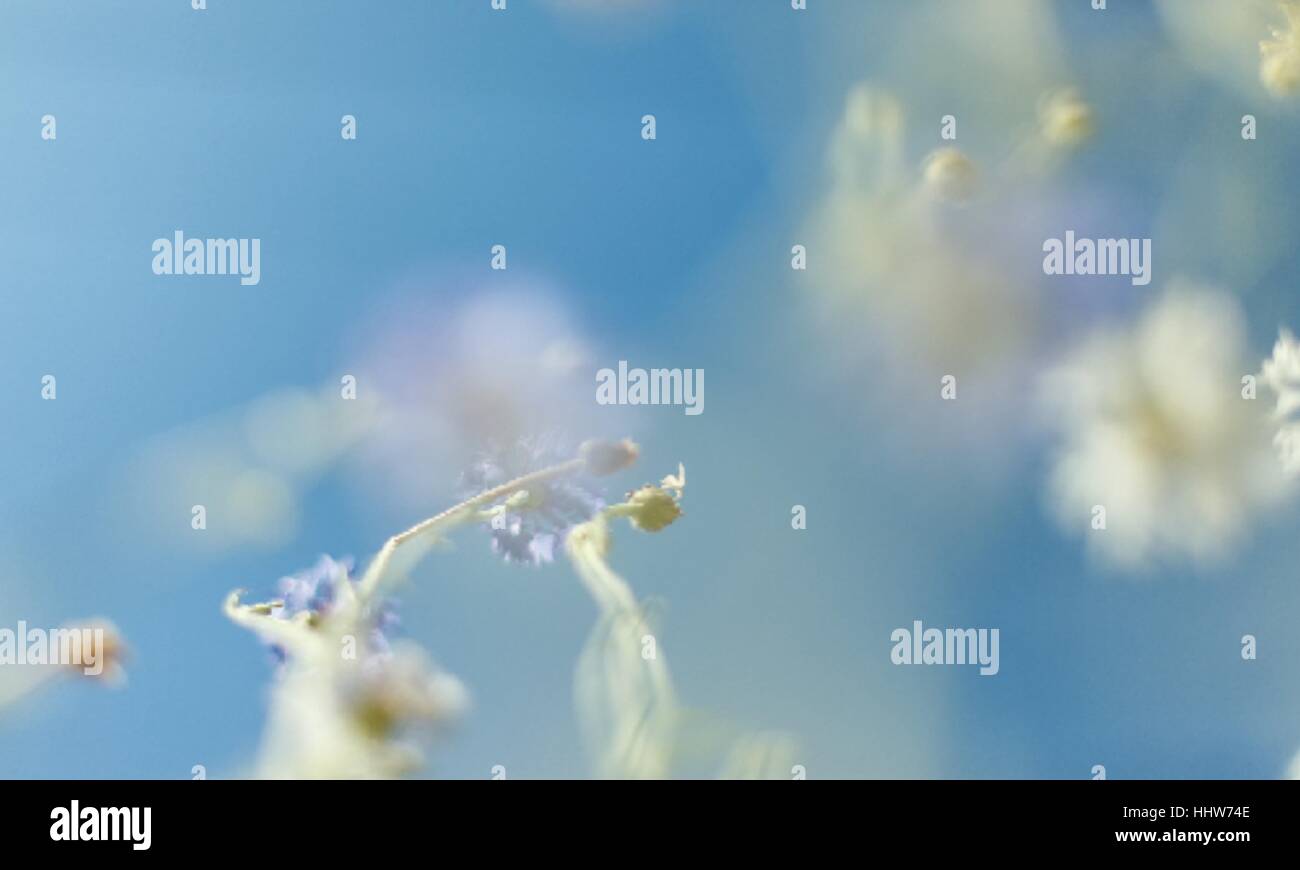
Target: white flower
x,y
335,718
1156,431
346,704
1282,374
1279,57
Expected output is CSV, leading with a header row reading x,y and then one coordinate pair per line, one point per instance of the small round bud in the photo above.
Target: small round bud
x,y
1065,119
950,174
607,457
651,508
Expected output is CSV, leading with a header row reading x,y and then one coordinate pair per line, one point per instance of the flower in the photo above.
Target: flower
x,y
312,590
310,594
332,718
1279,57
1156,432
345,699
399,688
1282,374
526,526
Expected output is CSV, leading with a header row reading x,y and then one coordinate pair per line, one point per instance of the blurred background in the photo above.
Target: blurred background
x,y
523,128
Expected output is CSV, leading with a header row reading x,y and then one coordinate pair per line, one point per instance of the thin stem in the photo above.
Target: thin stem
x,y
454,515
632,692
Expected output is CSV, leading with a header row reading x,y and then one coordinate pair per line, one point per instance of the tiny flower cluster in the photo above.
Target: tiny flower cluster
x,y
346,693
312,593
528,523
1282,373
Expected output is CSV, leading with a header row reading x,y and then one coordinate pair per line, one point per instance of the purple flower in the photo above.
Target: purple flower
x,y
529,534
312,591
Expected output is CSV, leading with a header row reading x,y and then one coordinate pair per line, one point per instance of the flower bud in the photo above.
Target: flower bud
x,y
607,457
950,174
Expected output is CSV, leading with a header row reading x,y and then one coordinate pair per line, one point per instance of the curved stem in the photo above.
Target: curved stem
x,y
453,516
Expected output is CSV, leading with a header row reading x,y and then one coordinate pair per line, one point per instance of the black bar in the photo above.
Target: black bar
x,y
246,818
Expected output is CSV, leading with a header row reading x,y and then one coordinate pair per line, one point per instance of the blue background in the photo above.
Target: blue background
x,y
477,127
